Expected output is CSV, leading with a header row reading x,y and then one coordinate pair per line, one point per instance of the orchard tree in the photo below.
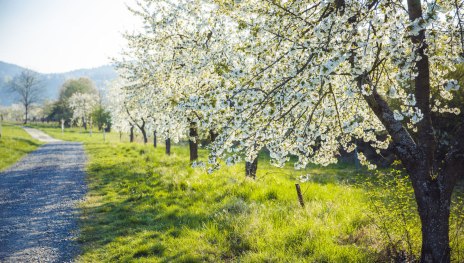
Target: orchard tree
x,y
61,109
315,76
310,78
36,113
28,87
82,106
128,110
180,54
131,108
119,120
14,112
101,115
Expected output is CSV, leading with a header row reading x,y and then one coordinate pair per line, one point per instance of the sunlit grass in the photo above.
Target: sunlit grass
x,y
144,206
82,135
14,144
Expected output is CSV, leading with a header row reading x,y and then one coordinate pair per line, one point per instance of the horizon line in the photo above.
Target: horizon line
x,y
58,72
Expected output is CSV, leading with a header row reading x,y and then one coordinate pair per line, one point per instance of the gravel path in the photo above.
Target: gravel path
x,y
38,198
40,135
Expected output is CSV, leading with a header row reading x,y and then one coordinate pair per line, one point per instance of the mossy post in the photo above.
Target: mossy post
x,y
300,196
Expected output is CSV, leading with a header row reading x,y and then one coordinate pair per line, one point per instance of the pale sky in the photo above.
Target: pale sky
x,y
52,36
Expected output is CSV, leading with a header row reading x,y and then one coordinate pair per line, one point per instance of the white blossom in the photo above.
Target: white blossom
x,y
397,115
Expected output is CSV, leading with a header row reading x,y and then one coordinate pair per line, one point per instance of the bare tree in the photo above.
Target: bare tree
x,y
28,87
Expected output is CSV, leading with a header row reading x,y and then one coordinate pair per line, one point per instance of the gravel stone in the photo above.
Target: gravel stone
x,y
38,203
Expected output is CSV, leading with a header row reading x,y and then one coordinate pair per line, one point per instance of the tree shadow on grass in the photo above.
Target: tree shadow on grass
x,y
26,141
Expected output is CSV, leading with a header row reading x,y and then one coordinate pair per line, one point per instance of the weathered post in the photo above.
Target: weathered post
x,y
62,126
300,196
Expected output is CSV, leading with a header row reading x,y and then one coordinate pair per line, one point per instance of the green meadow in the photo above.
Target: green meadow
x,y
145,206
14,144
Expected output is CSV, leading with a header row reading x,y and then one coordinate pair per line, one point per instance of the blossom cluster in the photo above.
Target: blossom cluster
x,y
294,77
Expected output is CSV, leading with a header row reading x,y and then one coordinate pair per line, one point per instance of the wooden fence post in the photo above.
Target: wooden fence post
x,y
300,196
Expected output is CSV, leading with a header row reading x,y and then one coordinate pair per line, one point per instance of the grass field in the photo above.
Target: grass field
x,y
14,144
144,206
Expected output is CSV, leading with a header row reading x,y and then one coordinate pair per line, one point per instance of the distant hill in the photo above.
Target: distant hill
x,y
101,76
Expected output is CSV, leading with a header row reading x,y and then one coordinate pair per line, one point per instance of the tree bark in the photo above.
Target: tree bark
x,y
251,168
27,112
131,134
168,146
193,141
143,131
434,211
433,197
154,139
144,134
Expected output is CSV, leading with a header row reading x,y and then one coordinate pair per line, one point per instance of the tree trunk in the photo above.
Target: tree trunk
x,y
435,228
168,146
143,131
213,135
251,168
90,126
193,141
131,134
27,111
144,134
433,201
154,139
